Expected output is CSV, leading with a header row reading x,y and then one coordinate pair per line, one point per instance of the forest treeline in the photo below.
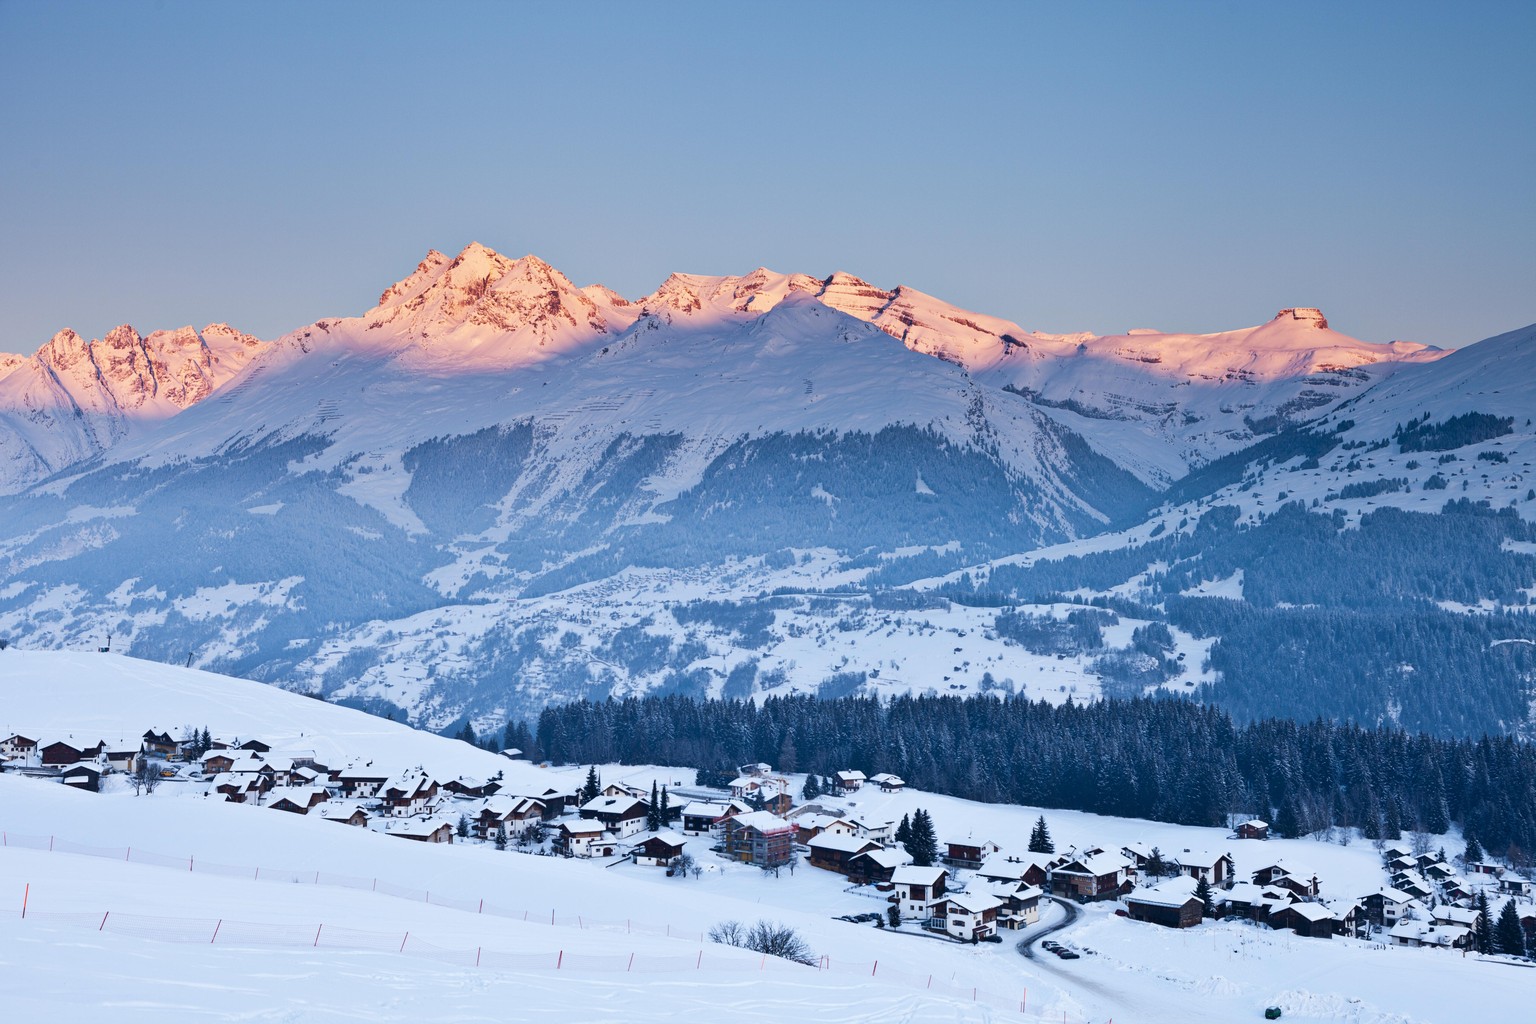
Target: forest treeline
x,y
1165,759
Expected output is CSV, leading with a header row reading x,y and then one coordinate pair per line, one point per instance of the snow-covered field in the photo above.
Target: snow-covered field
x,y
341,923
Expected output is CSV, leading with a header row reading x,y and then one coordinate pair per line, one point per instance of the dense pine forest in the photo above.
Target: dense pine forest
x,y
1164,759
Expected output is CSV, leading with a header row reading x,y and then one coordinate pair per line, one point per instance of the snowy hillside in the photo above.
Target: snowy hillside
x,y
133,903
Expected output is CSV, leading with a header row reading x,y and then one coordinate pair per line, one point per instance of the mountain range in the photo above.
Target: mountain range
x,y
495,489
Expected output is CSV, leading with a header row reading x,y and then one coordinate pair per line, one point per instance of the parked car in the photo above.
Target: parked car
x,y
1067,954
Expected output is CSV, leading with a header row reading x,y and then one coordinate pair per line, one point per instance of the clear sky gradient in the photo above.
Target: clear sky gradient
x,y
1078,166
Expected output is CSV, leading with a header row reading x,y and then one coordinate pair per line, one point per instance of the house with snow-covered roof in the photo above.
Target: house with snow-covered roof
x,y
408,793
17,747
889,783
85,776
850,780
917,888
585,838
1214,867
421,830
968,916
345,812
296,799
1312,920
1299,878
701,816
1253,828
875,866
659,850
515,814
1029,868
1094,876
834,851
1171,903
1385,907
620,814
1428,933
759,837
1020,903
968,852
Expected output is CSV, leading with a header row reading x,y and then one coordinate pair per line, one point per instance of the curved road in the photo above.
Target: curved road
x,y
1027,943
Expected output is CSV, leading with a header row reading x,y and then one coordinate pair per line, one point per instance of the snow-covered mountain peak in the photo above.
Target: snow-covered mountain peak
x,y
488,309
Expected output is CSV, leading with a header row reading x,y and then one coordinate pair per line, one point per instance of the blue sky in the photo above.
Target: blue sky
x,y
1072,167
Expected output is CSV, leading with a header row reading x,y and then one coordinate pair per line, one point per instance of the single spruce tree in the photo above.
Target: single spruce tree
x,y
904,831
1508,936
1040,838
1474,849
592,787
653,810
1483,931
812,788
1206,898
666,808
1155,866
923,847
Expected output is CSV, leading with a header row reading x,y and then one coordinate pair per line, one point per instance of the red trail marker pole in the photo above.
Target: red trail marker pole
x,y
25,893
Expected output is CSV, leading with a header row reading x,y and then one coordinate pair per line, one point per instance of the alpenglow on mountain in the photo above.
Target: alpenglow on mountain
x,y
495,489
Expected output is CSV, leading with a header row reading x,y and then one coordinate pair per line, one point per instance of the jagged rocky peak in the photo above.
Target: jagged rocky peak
x,y
480,291
1306,314
64,350
409,287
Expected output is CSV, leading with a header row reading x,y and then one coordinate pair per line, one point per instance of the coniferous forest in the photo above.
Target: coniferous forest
x,y
1159,758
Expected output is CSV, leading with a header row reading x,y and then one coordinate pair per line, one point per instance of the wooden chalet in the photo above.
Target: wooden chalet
x,y
1515,884
1172,904
622,815
1302,880
1312,920
256,746
1095,876
514,814
1385,907
850,781
296,799
835,852
1031,869
409,793
466,786
809,826
420,830
701,816
1253,828
58,754
889,783
659,850
84,777
969,853
759,837
344,813
217,762
158,743
1020,903
875,867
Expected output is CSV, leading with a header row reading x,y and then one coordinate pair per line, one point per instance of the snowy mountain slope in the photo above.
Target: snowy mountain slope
x,y
74,400
491,489
126,924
